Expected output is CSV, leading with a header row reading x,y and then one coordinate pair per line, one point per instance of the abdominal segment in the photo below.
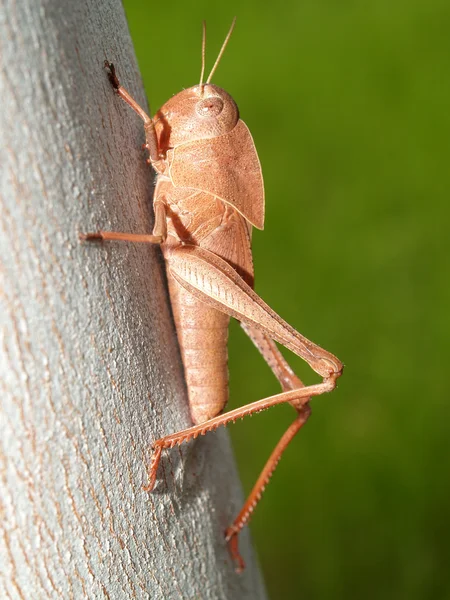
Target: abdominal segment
x,y
202,335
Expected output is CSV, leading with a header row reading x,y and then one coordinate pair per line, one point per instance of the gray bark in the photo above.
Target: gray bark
x,y
90,367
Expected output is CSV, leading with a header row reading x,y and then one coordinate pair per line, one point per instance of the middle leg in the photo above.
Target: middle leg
x,y
158,235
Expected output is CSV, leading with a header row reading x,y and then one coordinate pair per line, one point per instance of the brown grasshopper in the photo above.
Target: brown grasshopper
x,y
209,194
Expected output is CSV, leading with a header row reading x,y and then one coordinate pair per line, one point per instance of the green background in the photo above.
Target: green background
x,y
348,103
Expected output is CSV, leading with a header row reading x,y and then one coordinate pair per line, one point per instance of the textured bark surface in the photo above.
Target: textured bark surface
x,y
90,368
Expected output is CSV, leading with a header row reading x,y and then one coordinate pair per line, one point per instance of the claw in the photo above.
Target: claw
x,y
90,237
112,74
231,536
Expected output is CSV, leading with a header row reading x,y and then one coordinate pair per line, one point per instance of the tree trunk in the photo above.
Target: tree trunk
x,y
90,367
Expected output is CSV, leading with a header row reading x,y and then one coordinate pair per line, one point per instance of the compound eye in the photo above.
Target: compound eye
x,y
209,107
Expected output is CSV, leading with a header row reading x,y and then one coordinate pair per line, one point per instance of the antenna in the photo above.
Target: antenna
x,y
202,85
222,50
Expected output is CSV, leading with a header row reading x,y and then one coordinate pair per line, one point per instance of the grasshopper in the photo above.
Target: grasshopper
x,y
209,194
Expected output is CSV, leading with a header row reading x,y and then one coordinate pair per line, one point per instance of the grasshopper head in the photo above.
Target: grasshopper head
x,y
200,112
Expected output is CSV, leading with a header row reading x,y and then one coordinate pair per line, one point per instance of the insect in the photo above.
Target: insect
x,y
209,194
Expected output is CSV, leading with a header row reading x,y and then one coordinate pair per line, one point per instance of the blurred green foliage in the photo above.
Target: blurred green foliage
x,y
348,103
